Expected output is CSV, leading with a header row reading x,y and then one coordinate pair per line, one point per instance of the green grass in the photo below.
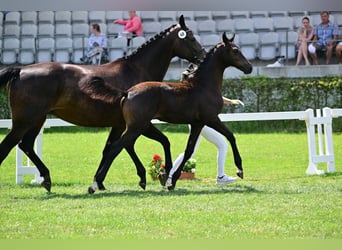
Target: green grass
x,y
276,200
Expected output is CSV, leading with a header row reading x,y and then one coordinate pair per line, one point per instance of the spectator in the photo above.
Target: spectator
x,y
97,45
325,35
133,25
305,34
339,52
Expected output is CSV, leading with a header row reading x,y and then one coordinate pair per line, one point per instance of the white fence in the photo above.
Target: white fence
x,y
320,145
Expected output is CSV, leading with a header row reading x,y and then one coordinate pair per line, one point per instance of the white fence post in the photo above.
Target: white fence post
x,y
328,155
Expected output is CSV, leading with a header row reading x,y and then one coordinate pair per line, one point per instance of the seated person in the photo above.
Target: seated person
x,y
325,34
97,45
339,52
305,34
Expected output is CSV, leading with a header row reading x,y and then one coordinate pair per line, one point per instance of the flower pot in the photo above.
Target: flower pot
x,y
187,175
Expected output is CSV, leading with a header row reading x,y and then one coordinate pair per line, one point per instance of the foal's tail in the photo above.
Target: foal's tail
x,y
8,75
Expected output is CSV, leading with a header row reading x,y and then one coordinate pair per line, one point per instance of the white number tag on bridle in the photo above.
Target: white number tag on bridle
x,y
181,34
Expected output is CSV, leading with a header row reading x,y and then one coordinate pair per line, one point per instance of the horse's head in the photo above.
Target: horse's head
x,y
233,56
185,44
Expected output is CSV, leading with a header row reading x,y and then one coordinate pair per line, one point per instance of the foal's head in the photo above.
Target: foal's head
x,y
185,45
232,56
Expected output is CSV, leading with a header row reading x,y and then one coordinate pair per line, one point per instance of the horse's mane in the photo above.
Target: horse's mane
x,y
96,88
158,36
204,61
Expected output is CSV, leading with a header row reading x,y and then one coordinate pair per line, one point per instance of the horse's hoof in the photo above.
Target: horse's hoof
x,y
91,190
46,185
142,185
101,186
240,174
162,178
171,188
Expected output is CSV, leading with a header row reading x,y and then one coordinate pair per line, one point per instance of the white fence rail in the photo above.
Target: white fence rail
x,y
320,146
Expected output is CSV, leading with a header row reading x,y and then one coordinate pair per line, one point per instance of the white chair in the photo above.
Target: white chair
x,y
63,50
150,29
284,23
220,15
206,27
63,17
79,46
27,50
166,24
45,49
97,16
10,50
117,48
29,30
148,16
202,15
46,30
167,16
268,45
287,42
263,25
249,43
80,30
12,30
136,43
208,41
276,14
46,17
12,17
239,14
114,29
258,14
63,30
79,16
226,25
112,15
192,25
188,15
29,17
244,25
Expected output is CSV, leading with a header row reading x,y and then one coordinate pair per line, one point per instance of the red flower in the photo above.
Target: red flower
x,y
156,158
162,166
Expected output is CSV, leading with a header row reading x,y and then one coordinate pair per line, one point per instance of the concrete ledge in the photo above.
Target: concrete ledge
x,y
291,71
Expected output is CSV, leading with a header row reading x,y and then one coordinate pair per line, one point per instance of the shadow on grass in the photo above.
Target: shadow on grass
x,y
148,193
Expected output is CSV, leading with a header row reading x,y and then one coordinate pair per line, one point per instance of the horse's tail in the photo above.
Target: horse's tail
x,y
8,75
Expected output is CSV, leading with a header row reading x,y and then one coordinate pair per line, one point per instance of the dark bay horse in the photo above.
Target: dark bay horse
x,y
64,90
196,101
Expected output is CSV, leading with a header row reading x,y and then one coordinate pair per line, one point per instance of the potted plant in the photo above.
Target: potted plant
x,y
156,167
189,170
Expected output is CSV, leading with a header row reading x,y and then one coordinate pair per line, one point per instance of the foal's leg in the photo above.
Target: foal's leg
x,y
124,141
113,136
27,146
153,133
221,128
193,137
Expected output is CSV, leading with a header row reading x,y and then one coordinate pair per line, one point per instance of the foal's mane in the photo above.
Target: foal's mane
x,y
205,60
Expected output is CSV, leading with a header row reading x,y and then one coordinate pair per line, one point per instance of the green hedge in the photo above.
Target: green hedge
x,y
264,94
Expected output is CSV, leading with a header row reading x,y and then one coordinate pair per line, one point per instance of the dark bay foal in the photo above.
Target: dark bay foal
x,y
196,101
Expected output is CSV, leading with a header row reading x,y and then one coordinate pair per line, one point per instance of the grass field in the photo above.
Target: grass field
x,y
276,200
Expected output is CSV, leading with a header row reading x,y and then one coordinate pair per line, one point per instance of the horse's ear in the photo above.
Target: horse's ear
x,y
182,22
232,39
224,38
